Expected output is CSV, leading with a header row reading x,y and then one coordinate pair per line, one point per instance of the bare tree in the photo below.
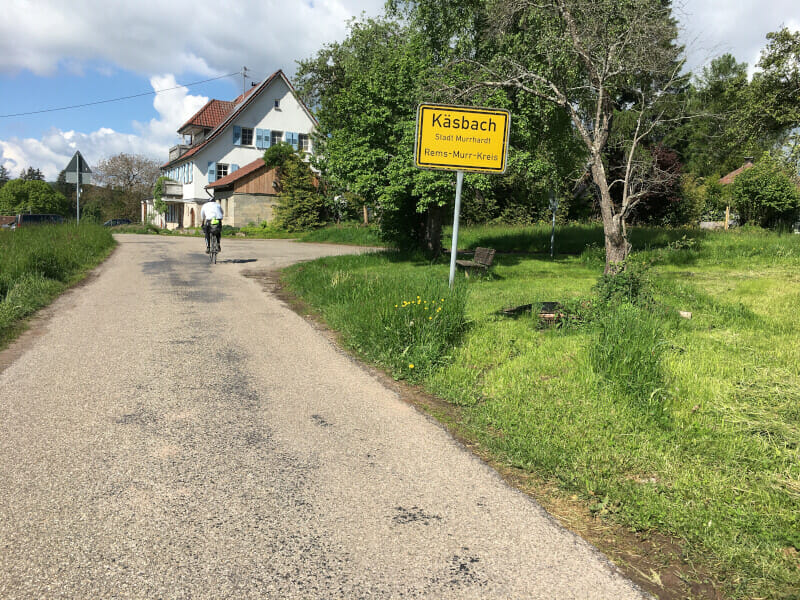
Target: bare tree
x,y
133,175
597,60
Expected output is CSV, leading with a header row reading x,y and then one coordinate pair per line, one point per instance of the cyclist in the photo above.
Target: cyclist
x,y
211,218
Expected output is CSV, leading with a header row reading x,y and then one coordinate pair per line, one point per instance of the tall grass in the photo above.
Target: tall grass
x,y
40,262
407,322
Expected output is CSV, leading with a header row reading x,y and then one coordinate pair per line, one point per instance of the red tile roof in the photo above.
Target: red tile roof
x,y
238,173
211,115
733,174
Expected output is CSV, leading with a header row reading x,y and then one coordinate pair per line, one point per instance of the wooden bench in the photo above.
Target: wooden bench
x,y
481,260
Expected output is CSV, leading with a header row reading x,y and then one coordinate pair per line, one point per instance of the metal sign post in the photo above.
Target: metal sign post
x,y
456,213
77,172
461,138
554,208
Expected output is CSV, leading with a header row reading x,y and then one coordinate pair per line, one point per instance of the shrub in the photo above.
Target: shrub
x,y
630,285
765,194
21,196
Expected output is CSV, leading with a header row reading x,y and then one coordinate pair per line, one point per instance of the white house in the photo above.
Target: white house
x,y
221,137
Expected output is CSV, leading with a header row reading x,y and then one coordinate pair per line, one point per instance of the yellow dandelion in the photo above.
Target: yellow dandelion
x,y
430,318
411,365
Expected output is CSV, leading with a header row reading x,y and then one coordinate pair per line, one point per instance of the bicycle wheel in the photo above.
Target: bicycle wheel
x,y
214,249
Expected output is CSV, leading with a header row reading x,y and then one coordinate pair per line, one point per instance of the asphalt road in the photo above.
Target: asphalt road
x,y
172,430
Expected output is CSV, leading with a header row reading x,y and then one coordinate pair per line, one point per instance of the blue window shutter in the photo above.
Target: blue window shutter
x,y
237,135
292,138
233,168
212,172
259,138
267,138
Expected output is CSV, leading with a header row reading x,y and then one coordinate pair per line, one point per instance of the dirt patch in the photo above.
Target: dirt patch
x,y
654,561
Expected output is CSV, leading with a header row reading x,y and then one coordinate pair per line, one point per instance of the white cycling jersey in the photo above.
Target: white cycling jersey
x,y
210,210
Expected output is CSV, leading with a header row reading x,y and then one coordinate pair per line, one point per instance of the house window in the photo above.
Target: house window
x,y
222,170
305,142
277,104
247,136
173,212
275,137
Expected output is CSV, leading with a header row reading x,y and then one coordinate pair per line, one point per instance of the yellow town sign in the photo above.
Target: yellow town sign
x,y
461,138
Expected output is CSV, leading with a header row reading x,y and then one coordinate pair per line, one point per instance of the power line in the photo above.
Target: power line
x,y
46,110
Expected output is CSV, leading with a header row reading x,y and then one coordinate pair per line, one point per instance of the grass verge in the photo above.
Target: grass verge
x,y
687,429
41,262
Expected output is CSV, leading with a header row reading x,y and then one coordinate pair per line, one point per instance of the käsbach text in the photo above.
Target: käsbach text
x,y
440,120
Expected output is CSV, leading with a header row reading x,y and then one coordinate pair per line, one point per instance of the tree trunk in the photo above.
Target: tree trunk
x,y
617,247
432,233
616,238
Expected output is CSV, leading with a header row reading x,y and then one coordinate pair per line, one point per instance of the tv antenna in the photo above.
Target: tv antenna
x,y
244,80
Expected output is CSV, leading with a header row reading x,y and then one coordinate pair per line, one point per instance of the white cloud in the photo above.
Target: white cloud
x,y
713,27
53,151
153,36
181,36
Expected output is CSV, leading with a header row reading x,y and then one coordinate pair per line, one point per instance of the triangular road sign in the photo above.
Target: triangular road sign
x,y
78,163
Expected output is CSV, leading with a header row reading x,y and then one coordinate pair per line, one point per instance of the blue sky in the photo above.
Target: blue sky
x,y
55,53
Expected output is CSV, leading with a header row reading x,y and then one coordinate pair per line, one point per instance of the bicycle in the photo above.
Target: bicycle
x,y
213,247
212,256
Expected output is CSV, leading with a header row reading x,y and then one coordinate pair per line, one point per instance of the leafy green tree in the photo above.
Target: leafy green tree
x,y
366,90
34,196
774,102
598,61
4,176
300,204
766,194
711,139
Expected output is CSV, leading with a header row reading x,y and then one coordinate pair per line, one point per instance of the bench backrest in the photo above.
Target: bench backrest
x,y
484,256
